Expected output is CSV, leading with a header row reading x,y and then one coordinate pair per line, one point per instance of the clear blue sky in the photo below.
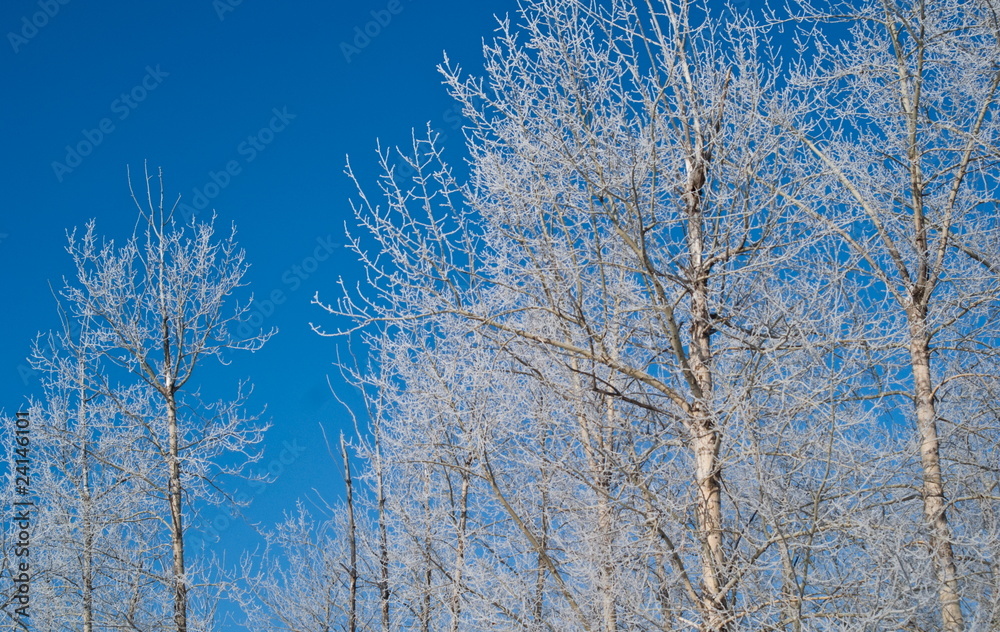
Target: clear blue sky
x,y
192,87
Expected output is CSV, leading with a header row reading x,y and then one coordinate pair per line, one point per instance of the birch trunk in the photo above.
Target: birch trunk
x,y
175,492
463,520
932,490
352,541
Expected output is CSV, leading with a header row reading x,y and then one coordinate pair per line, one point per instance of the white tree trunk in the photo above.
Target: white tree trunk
x,y
935,505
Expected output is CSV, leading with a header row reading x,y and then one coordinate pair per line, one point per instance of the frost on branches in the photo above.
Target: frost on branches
x,y
707,338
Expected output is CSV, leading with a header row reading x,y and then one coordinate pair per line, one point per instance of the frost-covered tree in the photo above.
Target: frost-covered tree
x,y
129,443
95,544
608,364
706,339
900,137
300,579
317,575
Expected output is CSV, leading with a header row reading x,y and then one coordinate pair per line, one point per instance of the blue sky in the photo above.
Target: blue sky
x,y
252,104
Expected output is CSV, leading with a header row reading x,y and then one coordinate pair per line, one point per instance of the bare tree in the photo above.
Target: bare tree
x,y
622,260
302,579
153,310
320,574
95,541
94,551
644,369
903,128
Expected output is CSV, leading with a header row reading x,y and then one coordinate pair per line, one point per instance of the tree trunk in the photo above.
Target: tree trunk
x,y
595,442
543,539
706,440
176,515
605,522
935,508
606,570
383,542
428,557
708,480
88,554
457,579
87,499
352,536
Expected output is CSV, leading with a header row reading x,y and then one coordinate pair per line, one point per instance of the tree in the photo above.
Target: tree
x,y
95,541
704,340
903,128
577,350
149,313
301,579
316,574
